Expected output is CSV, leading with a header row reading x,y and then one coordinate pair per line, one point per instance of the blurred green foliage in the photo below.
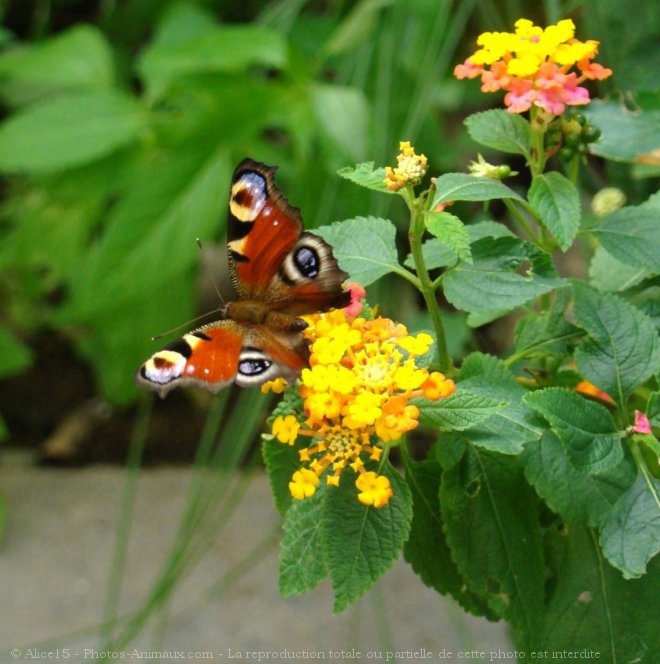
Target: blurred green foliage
x,y
122,130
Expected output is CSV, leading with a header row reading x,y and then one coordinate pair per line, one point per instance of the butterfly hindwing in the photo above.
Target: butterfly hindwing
x,y
218,354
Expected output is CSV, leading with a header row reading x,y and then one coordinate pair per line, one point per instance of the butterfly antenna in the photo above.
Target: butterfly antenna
x,y
215,284
186,324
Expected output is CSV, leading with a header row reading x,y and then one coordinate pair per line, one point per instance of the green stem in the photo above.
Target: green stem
x,y
426,286
641,464
537,161
120,553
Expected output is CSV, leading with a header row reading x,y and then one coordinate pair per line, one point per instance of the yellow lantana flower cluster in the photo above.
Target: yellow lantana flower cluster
x,y
533,65
411,168
356,395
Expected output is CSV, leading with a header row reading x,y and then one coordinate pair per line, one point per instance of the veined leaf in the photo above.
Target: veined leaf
x,y
591,607
585,428
579,498
464,187
501,130
364,247
450,230
555,198
491,524
491,281
302,562
632,235
426,550
610,274
622,349
361,543
462,410
366,176
631,535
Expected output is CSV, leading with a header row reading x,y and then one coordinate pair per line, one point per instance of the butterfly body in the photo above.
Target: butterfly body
x,y
279,273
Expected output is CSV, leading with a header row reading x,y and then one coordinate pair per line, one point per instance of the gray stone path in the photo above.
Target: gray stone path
x,y
55,561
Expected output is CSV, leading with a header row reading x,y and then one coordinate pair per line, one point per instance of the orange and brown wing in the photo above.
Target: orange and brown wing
x,y
216,355
271,259
262,228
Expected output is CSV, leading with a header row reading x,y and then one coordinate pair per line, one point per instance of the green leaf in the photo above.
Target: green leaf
x,y
361,543
426,550
632,235
437,254
501,130
492,282
631,535
584,427
590,607
281,462
547,332
302,562
491,524
626,135
14,356
481,364
578,497
364,246
623,348
355,28
463,187
462,410
216,48
609,274
366,176
77,58
342,113
68,130
510,428
555,199
450,230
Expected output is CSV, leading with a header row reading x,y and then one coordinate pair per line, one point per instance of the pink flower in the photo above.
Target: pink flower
x,y
467,70
357,293
495,79
520,96
642,424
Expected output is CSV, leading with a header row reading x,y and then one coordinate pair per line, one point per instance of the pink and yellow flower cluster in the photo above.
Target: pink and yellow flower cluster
x,y
533,65
356,394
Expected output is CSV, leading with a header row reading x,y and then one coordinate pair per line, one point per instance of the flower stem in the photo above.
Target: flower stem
x,y
426,286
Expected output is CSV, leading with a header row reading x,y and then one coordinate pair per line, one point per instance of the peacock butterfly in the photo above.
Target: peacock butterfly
x,y
279,272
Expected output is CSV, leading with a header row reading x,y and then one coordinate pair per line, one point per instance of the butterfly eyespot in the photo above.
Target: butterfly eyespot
x,y
248,196
306,261
254,367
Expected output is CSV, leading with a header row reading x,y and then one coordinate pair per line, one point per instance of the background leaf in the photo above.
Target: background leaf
x,y
69,130
632,235
459,411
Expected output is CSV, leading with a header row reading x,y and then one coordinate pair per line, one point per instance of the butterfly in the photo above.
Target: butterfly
x,y
279,272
